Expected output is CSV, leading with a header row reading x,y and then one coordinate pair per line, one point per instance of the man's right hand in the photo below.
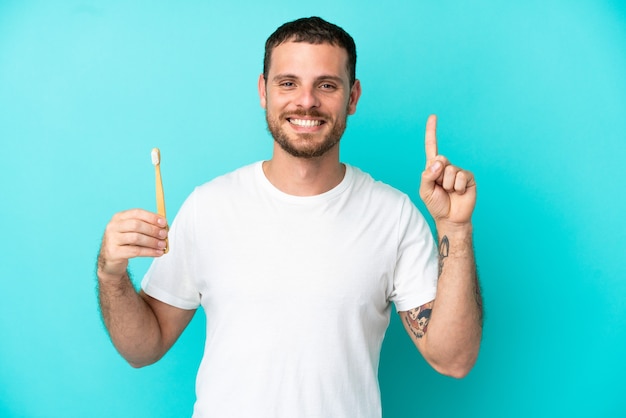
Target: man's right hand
x,y
129,234
141,327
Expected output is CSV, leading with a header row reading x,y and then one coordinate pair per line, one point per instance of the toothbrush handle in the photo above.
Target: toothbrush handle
x,y
160,198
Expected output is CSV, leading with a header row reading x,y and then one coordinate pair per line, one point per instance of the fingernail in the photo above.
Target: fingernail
x,y
163,233
161,221
161,244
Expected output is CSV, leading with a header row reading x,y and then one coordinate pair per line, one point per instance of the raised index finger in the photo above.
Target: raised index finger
x,y
431,137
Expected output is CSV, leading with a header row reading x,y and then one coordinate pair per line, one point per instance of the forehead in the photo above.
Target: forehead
x,y
302,58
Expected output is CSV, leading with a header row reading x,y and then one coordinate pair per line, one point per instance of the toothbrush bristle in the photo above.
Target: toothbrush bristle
x,y
155,156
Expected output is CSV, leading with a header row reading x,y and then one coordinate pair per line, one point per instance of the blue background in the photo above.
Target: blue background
x,y
531,97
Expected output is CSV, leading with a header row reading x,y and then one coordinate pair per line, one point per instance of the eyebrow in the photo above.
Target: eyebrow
x,y
328,77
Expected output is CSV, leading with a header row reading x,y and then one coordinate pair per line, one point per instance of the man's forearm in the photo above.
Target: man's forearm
x,y
455,327
132,325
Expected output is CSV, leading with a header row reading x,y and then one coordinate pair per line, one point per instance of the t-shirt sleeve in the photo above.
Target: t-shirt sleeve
x,y
415,275
171,277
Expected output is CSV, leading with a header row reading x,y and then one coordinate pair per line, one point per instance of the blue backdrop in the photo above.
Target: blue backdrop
x,y
531,96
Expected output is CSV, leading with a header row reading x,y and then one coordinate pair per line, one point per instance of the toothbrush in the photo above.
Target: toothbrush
x,y
160,197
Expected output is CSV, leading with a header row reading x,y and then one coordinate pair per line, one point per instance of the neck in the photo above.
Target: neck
x,y
304,176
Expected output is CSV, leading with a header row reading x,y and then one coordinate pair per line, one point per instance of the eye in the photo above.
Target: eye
x,y
287,84
328,86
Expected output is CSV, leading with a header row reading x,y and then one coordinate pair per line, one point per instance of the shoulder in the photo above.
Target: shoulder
x,y
220,192
230,182
385,201
365,184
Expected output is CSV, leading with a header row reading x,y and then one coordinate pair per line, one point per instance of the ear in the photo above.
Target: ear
x,y
262,91
355,94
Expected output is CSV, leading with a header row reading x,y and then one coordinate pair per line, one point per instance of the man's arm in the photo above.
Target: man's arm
x,y
448,330
142,328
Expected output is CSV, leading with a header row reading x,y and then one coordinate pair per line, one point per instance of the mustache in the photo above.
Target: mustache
x,y
306,113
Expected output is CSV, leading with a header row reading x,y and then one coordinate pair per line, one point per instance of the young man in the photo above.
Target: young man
x,y
296,260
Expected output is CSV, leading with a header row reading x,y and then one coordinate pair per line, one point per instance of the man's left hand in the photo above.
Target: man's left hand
x,y
448,191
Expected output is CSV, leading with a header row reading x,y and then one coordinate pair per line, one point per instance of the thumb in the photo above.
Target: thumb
x,y
430,175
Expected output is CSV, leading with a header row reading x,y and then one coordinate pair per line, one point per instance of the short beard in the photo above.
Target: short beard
x,y
310,150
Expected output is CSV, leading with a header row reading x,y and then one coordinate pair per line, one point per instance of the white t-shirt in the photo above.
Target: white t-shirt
x,y
296,291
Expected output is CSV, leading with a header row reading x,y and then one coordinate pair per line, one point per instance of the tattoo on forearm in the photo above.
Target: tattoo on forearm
x,y
417,319
444,250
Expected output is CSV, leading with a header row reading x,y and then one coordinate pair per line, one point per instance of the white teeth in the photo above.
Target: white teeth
x,y
307,123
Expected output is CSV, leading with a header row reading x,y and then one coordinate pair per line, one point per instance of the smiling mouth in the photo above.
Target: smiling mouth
x,y
305,123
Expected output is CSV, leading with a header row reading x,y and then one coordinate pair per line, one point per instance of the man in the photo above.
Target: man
x,y
296,260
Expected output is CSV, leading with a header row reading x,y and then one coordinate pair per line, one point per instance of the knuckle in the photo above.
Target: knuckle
x,y
134,252
135,224
135,238
109,229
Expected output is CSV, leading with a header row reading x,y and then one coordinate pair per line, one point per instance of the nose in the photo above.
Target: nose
x,y
307,98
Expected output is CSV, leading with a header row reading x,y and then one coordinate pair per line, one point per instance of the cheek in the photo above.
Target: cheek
x,y
274,103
